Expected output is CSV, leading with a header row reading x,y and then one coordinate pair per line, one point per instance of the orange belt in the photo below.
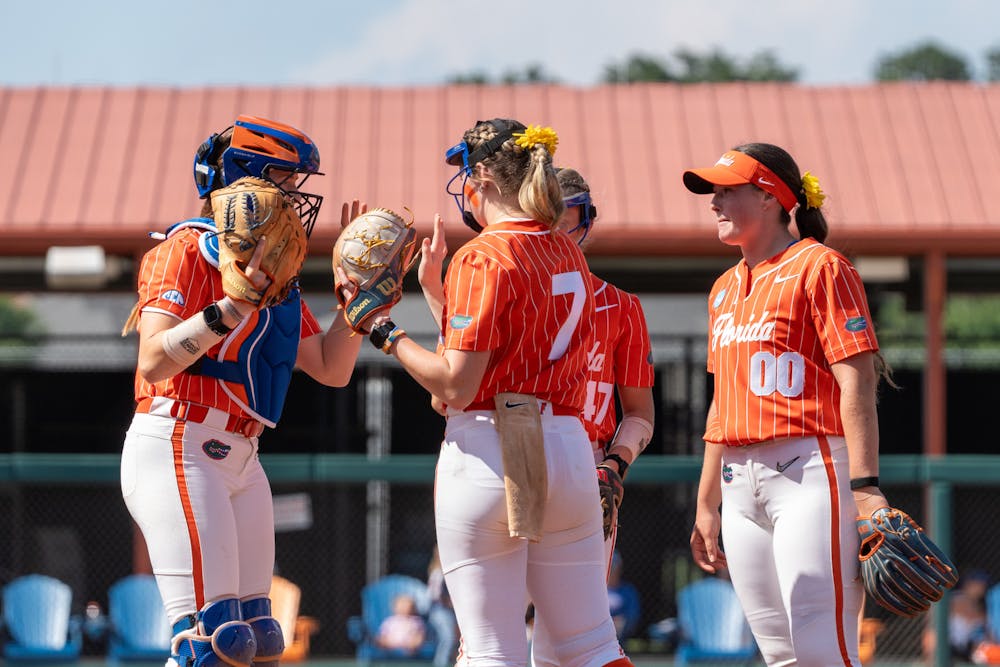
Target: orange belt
x,y
201,414
544,407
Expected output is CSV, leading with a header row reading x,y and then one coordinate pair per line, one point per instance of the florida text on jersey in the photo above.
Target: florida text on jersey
x,y
773,333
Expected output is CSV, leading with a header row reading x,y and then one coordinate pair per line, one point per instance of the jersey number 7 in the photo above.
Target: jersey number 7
x,y
568,283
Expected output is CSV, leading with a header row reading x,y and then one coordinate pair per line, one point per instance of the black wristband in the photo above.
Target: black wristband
x,y
862,482
622,466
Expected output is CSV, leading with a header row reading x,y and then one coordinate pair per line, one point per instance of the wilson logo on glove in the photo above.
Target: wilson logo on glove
x,y
375,251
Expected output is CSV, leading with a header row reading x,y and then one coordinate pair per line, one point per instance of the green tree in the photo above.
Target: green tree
x,y
993,64
638,67
925,62
533,73
764,66
713,67
17,321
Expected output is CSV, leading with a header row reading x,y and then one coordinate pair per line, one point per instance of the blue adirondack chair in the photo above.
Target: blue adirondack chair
x,y
376,606
138,626
712,624
993,612
38,622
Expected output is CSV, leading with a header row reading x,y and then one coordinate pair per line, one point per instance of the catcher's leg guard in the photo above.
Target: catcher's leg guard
x,y
215,637
267,632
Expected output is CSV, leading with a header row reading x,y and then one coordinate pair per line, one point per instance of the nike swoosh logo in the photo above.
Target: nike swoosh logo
x,y
601,309
781,279
782,467
765,182
513,405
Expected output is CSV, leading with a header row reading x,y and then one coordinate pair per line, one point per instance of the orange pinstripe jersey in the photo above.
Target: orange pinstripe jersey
x,y
523,293
620,355
176,279
773,334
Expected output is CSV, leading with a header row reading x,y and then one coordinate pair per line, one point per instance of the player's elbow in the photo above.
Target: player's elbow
x,y
456,400
336,377
152,372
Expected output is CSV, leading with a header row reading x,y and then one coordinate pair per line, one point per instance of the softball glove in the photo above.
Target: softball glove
x,y
375,250
245,212
902,569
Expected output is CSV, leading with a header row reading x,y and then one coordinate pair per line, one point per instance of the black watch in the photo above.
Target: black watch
x,y
213,318
380,333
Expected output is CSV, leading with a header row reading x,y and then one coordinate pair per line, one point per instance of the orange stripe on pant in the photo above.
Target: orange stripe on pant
x,y
177,440
838,575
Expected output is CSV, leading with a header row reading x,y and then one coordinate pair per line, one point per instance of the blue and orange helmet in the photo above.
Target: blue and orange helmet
x,y
261,148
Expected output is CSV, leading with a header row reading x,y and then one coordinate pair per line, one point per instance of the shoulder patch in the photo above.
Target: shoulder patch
x,y
173,296
856,324
460,321
719,297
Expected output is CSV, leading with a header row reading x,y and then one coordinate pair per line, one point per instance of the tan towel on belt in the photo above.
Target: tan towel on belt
x,y
524,473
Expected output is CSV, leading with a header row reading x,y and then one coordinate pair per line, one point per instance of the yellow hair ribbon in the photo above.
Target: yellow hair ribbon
x,y
814,195
536,134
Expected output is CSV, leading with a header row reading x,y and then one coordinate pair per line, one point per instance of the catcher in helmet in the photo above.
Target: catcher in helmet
x,y
221,326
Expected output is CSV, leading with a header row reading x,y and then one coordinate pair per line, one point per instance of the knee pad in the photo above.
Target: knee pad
x,y
215,637
266,630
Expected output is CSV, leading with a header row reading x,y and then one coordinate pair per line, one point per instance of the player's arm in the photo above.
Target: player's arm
x,y
858,381
454,377
330,358
168,344
708,520
636,427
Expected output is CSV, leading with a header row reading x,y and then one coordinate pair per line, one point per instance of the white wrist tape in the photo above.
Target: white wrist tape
x,y
190,339
633,433
237,310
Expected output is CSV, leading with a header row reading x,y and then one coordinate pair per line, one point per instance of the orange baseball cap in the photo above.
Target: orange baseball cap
x,y
736,168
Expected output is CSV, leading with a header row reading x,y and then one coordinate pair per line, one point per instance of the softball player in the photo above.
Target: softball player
x,y
517,322
619,361
791,441
190,474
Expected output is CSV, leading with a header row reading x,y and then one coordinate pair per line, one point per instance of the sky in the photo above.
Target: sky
x,y
195,43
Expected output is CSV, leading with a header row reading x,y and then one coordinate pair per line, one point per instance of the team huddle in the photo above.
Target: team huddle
x,y
544,373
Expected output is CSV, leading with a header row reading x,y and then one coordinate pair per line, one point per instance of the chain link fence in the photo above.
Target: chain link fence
x,y
346,534
353,531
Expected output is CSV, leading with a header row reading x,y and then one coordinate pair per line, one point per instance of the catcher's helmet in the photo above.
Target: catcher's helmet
x,y
261,148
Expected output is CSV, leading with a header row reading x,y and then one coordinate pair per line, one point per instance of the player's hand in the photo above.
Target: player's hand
x,y
432,253
253,273
347,287
869,500
705,542
350,211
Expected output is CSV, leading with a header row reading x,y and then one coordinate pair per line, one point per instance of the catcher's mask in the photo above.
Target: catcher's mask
x,y
266,149
459,155
587,213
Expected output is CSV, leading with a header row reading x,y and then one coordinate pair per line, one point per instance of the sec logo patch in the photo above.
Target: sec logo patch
x,y
727,473
173,296
216,450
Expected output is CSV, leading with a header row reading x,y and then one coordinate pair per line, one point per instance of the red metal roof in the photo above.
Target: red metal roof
x,y
907,166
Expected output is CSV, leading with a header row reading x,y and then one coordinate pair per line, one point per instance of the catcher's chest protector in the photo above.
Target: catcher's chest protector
x,y
254,365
